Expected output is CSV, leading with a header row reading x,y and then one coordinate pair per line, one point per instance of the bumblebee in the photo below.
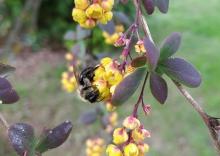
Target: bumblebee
x,y
87,90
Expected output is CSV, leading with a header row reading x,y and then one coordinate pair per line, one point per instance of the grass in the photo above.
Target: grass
x,y
176,127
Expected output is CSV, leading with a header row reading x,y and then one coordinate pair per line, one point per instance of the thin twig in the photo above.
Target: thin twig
x,y
201,112
4,122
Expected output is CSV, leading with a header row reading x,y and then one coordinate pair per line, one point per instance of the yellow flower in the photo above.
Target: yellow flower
x,y
107,16
131,122
119,28
103,88
139,47
94,11
106,61
81,4
143,148
138,135
120,136
99,72
69,83
107,5
95,147
69,56
113,119
131,150
89,23
113,150
109,106
79,15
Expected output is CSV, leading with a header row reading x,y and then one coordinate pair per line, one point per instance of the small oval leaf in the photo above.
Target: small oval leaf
x,y
8,96
158,87
181,71
170,45
163,5
55,137
21,137
109,27
128,86
152,53
88,117
139,62
149,6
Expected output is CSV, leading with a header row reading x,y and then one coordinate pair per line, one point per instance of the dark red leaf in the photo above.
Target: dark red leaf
x,y
149,6
152,53
4,84
158,87
181,71
139,61
55,137
128,86
21,137
163,5
8,96
170,45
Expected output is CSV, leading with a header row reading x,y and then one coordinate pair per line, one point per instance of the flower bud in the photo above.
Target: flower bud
x,y
94,11
81,4
131,122
131,150
113,150
120,136
79,15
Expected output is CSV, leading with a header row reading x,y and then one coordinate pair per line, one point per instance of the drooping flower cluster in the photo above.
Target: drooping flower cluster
x,y
129,139
112,38
112,121
68,79
95,147
88,13
107,76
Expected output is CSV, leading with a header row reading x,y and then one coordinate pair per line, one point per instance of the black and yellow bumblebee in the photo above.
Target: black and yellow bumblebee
x,y
87,90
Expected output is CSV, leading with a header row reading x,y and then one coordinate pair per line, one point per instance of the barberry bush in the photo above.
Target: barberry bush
x,y
111,80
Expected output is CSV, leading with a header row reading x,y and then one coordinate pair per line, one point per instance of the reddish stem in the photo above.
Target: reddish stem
x,y
140,99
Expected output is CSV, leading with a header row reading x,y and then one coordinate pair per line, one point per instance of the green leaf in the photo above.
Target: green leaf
x,y
21,137
170,45
128,86
181,71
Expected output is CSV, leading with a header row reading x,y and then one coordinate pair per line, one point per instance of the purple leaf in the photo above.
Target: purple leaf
x,y
88,117
8,96
121,17
158,87
163,5
149,6
82,33
21,137
181,71
55,137
109,27
128,86
170,45
152,53
139,61
4,84
5,69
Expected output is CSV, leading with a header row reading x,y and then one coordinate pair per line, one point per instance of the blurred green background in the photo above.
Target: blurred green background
x,y
176,128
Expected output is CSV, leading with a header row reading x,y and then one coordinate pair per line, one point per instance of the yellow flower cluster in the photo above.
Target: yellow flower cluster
x,y
139,47
112,122
107,77
112,38
129,140
88,13
68,79
95,147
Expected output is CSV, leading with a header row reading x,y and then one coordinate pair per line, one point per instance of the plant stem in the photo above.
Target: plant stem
x,y
135,114
201,112
4,122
